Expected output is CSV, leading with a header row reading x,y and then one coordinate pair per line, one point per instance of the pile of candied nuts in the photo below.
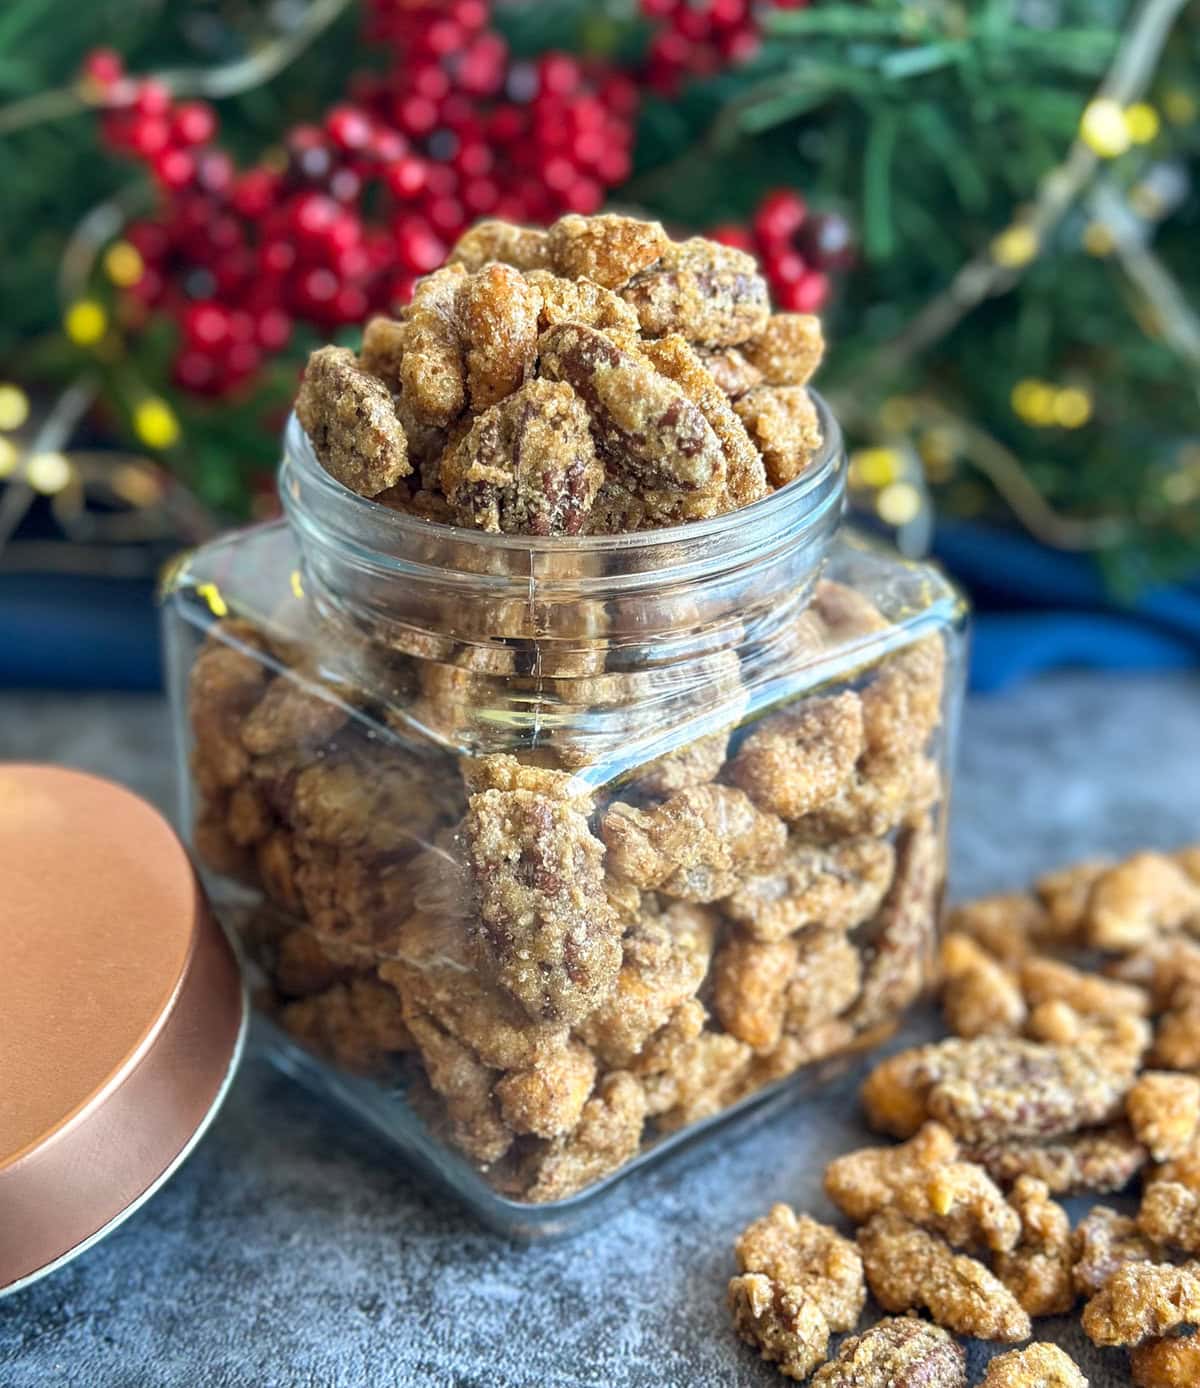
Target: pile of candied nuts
x,y
565,972
1062,1079
594,378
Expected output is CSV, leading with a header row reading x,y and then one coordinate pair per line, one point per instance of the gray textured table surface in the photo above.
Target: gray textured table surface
x,y
292,1250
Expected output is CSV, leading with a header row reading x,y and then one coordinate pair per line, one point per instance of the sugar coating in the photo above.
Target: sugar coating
x,y
350,418
798,1251
1037,1270
784,425
526,248
608,250
1142,1301
1036,1366
1101,1160
788,350
1164,1112
785,1325
908,1269
794,762
1104,1241
897,1352
1173,1363
609,1132
979,996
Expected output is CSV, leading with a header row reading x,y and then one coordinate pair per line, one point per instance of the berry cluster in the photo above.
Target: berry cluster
x,y
696,38
367,200
799,250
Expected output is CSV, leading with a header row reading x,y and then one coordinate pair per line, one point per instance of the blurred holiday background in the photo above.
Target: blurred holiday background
x,y
993,204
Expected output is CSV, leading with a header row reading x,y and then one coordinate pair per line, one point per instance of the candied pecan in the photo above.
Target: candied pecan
x,y
794,1051
498,322
837,886
875,798
1130,903
665,958
1168,967
1184,1169
897,1352
825,981
546,929
799,1252
710,293
215,846
1038,1269
383,344
908,1268
1170,1214
1036,1366
1064,894
350,419
795,761
1050,980
349,897
1007,925
429,964
455,1073
1142,1301
276,865
784,425
432,369
786,1327
690,1073
304,963
1104,1241
750,983
527,466
608,1133
1164,1112
224,684
642,422
248,815
732,371
1177,1037
548,1099
694,764
788,350
925,1180
503,771
1189,860
609,250
697,845
1173,1363
1102,1160
293,715
899,957
902,705
579,301
745,476
357,1025
526,248
979,996
995,1088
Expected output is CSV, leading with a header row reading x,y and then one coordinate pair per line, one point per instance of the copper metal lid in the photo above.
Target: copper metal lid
x,y
121,1012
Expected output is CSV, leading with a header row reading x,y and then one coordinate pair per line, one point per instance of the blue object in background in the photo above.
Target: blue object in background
x,y
1042,609
60,631
1035,609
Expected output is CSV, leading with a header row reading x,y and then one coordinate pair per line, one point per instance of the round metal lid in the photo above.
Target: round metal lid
x,y
122,1013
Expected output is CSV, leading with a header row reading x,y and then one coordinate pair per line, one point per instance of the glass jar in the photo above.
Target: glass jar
x,y
545,854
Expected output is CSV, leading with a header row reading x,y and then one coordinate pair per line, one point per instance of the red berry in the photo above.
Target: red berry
x,y
152,97
785,266
313,214
584,195
693,24
277,257
255,192
559,74
417,114
779,216
273,328
350,304
827,242
149,135
349,127
193,123
470,14
206,326
317,287
417,248
807,295
104,66
481,195
406,177
733,234
195,370
174,168
214,170
659,9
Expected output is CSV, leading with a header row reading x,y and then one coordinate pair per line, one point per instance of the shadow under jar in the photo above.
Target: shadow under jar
x,y
547,854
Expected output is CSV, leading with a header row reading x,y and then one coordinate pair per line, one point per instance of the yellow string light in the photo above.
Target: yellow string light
x,y
939,449
1015,247
212,595
1104,128
123,264
1142,122
10,456
1033,401
1072,407
297,586
86,322
14,406
1098,239
48,473
898,503
874,467
155,424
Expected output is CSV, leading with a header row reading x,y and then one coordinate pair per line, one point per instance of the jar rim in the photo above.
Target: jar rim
x,y
813,483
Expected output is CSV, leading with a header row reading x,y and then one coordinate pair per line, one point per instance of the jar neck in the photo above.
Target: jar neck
x,y
648,598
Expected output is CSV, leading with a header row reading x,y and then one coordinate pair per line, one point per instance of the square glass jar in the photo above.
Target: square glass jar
x,y
547,855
